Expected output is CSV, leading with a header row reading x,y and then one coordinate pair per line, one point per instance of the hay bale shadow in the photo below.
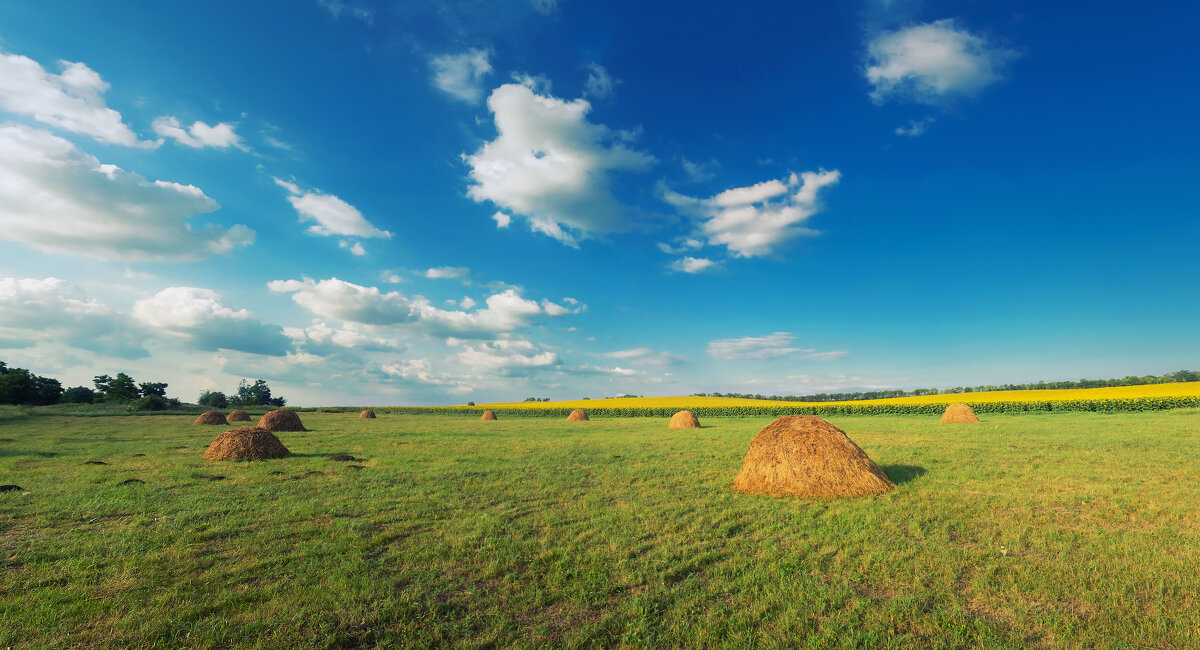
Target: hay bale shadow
x,y
903,473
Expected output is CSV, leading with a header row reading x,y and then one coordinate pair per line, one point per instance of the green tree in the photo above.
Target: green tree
x,y
213,399
19,386
78,395
146,389
121,389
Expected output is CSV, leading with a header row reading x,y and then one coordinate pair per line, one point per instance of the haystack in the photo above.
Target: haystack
x,y
805,456
246,443
488,415
959,414
281,420
684,420
367,415
238,416
211,417
578,415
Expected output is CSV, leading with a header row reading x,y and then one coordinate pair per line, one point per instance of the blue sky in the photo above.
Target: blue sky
x,y
422,202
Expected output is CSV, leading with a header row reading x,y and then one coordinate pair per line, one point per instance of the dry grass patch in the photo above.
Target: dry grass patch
x,y
281,420
959,414
684,420
211,417
246,443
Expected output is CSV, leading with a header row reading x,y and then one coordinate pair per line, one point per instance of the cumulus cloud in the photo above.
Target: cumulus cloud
x,y
333,298
59,312
198,317
683,244
771,346
354,247
57,198
199,134
914,128
345,301
550,164
932,63
449,273
698,172
332,215
72,100
600,83
320,338
506,357
757,220
502,220
461,75
691,264
616,371
645,356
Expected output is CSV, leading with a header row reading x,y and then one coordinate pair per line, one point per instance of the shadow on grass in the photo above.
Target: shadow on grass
x,y
18,452
903,473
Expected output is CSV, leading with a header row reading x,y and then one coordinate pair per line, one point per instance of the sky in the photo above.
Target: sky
x,y
417,202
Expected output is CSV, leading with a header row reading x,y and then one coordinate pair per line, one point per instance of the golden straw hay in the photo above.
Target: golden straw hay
x,y
488,415
281,420
211,417
684,420
367,415
578,415
805,456
246,443
959,414
238,416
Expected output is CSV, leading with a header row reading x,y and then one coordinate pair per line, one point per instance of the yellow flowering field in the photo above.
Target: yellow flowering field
x,y
1177,389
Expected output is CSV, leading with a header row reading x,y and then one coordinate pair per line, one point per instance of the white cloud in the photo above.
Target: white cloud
x,y
698,172
59,312
691,264
322,339
449,273
57,198
506,356
915,127
502,220
199,134
337,7
600,83
72,100
932,63
646,356
198,317
461,75
760,219
684,244
334,298
771,346
544,7
332,215
466,303
353,246
549,164
616,371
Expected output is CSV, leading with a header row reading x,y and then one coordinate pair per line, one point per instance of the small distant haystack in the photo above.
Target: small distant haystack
x,y
281,420
578,415
211,417
488,415
684,420
367,415
238,416
959,414
246,443
805,456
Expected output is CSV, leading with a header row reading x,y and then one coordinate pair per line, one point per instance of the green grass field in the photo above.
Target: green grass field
x,y
1053,530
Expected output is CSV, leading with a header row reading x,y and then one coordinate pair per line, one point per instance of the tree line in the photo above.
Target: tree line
x,y
1171,377
20,386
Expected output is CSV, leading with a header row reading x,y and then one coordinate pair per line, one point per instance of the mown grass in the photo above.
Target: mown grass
x,y
1055,530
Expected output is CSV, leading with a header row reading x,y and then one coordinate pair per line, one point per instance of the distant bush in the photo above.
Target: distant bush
x,y
213,399
154,403
78,395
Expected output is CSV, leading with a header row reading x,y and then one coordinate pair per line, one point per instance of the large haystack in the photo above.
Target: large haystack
x,y
578,415
488,415
805,456
684,420
959,414
367,415
246,443
211,417
281,420
238,416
